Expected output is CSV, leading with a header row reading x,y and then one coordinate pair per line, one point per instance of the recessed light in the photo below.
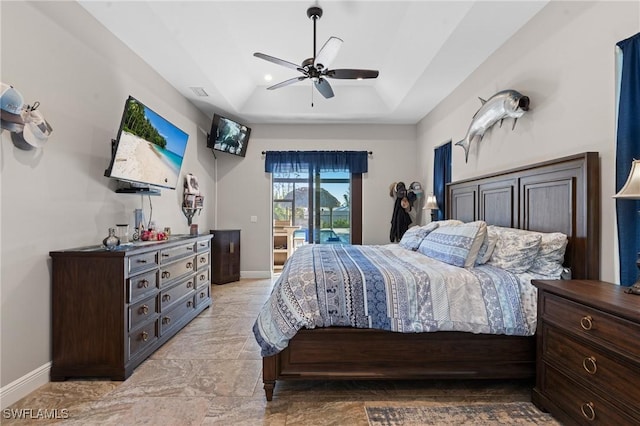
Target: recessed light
x,y
268,77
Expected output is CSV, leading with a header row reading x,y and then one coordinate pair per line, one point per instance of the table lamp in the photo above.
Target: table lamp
x,y
631,191
431,204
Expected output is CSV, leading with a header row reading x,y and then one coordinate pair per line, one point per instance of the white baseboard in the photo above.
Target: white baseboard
x,y
255,274
23,386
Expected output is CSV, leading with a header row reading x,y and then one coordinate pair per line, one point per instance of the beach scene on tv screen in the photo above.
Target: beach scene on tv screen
x,y
150,149
231,137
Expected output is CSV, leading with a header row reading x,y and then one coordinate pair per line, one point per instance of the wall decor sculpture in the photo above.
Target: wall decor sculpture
x,y
504,104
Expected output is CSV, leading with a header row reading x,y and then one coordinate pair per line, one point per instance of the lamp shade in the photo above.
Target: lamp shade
x,y
631,189
431,203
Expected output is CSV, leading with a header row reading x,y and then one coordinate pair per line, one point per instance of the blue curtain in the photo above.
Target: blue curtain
x,y
325,161
441,176
628,148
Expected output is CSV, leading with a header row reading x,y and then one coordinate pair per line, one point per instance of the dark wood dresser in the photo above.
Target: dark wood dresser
x,y
225,255
588,352
112,309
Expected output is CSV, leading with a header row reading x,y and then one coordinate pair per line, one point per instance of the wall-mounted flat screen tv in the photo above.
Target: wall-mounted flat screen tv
x,y
228,136
149,150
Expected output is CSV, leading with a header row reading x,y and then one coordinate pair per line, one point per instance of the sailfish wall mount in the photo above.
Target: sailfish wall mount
x,y
504,104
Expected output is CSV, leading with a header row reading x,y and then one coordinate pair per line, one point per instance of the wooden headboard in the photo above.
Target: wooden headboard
x,y
561,195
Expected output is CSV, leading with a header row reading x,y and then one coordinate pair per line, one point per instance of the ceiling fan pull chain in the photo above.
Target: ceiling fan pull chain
x,y
311,95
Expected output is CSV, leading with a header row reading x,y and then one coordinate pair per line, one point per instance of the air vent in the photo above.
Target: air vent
x,y
199,91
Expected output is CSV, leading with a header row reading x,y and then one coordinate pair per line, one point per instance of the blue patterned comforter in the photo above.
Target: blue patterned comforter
x,y
390,288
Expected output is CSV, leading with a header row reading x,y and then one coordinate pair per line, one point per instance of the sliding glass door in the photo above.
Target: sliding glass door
x,y
317,203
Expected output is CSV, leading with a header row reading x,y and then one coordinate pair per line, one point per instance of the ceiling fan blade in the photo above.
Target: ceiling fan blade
x,y
286,83
277,61
324,88
351,74
328,52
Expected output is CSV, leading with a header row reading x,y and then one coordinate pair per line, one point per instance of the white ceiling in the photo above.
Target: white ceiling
x,y
423,50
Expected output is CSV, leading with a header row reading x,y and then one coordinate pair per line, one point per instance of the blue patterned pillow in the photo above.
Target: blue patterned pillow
x,y
515,249
413,236
456,245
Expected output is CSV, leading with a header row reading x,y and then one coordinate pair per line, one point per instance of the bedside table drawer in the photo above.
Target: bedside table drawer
x,y
580,403
592,324
592,365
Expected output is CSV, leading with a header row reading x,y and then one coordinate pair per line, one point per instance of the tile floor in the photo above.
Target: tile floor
x,y
210,374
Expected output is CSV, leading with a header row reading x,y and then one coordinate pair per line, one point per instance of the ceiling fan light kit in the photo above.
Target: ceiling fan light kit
x,y
316,68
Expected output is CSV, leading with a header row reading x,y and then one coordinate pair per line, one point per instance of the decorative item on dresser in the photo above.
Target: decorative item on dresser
x,y
112,309
588,352
225,255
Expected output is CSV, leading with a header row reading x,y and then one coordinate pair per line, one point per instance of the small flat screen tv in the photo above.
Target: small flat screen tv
x,y
148,151
228,136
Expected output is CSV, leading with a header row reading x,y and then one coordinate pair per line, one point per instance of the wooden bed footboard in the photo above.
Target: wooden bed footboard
x,y
357,354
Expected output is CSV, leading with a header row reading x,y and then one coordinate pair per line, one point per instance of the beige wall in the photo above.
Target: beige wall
x,y
564,60
57,197
244,189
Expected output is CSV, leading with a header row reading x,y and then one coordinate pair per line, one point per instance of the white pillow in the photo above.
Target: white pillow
x,y
550,255
515,249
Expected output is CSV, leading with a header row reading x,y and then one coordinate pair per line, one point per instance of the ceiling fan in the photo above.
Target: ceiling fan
x,y
317,67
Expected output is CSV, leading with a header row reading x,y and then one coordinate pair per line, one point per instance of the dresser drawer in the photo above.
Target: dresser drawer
x,y
580,403
142,338
595,367
141,285
203,261
173,294
173,253
174,316
202,278
592,324
142,311
203,245
203,295
142,262
177,270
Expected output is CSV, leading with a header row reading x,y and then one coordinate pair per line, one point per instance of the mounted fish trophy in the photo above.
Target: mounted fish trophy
x,y
504,104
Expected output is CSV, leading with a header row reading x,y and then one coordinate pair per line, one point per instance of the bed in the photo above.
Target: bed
x,y
561,195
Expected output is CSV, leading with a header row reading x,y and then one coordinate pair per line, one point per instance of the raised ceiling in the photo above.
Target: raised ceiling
x,y
423,50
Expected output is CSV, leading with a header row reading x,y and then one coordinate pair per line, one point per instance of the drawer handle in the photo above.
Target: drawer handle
x,y
141,260
588,411
166,297
202,277
165,255
145,336
589,364
189,284
166,274
144,309
203,259
189,304
203,295
143,283
166,320
189,265
189,248
586,322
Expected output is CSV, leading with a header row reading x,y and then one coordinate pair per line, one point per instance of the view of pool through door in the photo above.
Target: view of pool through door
x,y
316,207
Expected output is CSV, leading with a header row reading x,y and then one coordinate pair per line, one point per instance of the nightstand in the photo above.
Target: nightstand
x,y
588,352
